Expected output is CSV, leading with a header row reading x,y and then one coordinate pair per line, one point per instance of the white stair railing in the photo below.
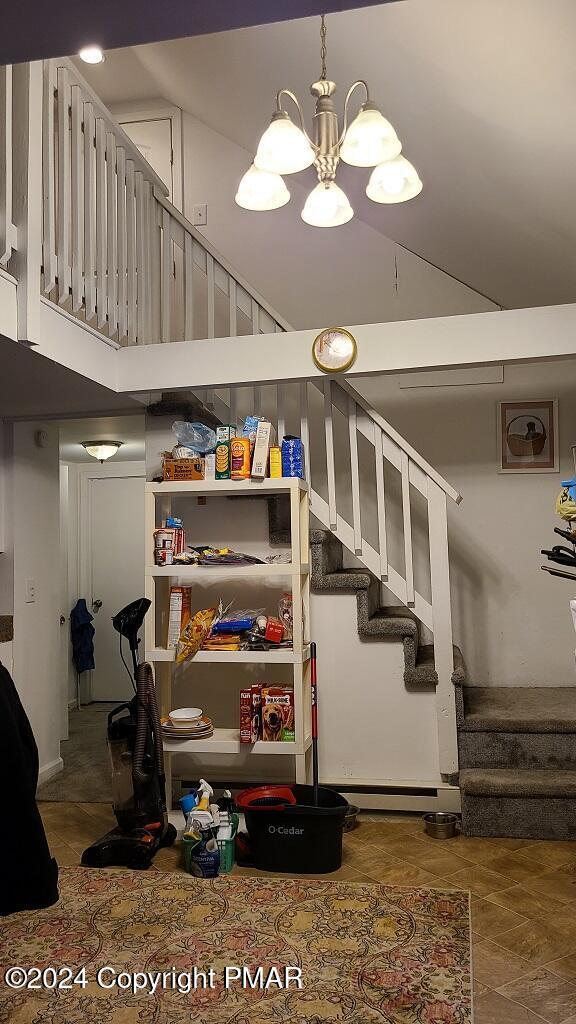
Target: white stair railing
x,y
8,237
396,526
116,253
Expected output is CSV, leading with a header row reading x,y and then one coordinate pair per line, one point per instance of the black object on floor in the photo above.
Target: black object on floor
x,y
302,837
28,874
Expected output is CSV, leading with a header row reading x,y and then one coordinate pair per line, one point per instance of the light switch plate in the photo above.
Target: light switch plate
x,y
30,591
200,215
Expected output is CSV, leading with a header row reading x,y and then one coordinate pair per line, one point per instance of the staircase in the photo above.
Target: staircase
x,y
517,750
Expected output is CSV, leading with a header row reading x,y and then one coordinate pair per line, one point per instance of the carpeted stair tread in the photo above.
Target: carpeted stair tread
x,y
539,709
346,579
392,621
518,783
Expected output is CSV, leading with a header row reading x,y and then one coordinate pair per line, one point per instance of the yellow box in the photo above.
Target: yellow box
x,y
275,463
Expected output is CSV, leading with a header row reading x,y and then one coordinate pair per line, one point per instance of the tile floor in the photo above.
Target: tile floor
x,y
523,900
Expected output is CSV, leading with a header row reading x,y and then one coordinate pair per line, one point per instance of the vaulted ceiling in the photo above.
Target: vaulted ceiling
x,y
482,93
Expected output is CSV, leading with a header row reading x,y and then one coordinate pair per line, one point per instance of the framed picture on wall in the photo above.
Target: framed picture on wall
x,y
527,435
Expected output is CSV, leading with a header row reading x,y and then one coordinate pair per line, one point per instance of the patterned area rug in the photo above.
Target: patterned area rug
x,y
367,953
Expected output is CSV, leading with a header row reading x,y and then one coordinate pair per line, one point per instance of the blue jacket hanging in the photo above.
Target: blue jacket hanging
x,y
82,635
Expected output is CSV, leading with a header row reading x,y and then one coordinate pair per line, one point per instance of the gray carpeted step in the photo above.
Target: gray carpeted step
x,y
540,709
524,804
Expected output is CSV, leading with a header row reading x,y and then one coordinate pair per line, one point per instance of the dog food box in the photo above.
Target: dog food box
x,y
264,438
246,715
256,691
278,714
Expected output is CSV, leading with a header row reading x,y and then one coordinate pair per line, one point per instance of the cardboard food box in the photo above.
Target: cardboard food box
x,y
183,469
278,714
264,438
179,614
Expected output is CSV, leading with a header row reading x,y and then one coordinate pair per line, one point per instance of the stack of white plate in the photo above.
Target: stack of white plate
x,y
187,723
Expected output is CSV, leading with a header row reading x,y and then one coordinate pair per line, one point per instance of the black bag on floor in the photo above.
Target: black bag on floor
x,y
28,874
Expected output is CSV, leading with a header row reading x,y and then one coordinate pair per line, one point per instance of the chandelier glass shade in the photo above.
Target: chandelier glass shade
x,y
261,190
101,450
286,148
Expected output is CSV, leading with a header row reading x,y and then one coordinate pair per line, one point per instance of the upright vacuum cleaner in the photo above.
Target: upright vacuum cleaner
x,y
137,758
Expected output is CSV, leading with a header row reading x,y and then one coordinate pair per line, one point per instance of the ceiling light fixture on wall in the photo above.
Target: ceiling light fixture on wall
x,y
285,148
101,450
91,54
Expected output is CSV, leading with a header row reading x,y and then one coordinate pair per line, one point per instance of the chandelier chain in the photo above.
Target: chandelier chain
x,y
323,48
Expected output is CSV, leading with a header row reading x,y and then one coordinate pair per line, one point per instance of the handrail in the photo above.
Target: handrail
x,y
101,110
221,260
401,442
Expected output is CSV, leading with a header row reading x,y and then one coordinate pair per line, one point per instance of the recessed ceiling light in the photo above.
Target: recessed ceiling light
x,y
101,450
91,55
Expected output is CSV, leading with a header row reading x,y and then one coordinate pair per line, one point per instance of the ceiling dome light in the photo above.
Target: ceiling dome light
x,y
395,181
283,148
101,450
327,206
370,139
261,190
91,55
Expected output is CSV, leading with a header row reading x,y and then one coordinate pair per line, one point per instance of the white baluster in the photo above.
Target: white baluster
x,y
48,172
140,260
442,626
356,514
111,233
89,211
101,253
304,428
154,217
255,317
64,192
77,183
166,275
380,502
210,295
330,469
233,327
407,518
148,331
131,284
188,287
122,242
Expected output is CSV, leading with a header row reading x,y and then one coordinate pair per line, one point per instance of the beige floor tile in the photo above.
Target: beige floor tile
x,y
479,989
543,993
564,967
65,855
555,884
515,866
365,857
494,966
524,901
435,859
480,880
553,853
61,816
493,1008
488,919
536,941
405,874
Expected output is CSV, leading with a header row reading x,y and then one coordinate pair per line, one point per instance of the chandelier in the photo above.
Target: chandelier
x,y
369,141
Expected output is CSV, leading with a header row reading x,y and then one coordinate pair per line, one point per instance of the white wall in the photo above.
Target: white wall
x,y
36,506
351,274
511,620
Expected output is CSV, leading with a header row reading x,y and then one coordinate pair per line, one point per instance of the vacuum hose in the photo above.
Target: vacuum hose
x,y
147,715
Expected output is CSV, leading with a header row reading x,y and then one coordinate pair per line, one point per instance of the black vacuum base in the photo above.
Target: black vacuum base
x,y
134,849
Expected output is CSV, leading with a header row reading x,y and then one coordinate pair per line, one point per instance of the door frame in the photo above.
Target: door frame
x,y
83,520
162,112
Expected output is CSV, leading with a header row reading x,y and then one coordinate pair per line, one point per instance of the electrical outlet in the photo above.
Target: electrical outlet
x,y
30,591
200,215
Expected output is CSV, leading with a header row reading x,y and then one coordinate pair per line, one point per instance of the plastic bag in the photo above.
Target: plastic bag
x,y
237,621
566,500
195,436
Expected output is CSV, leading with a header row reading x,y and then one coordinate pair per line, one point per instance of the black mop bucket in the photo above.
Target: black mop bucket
x,y
300,837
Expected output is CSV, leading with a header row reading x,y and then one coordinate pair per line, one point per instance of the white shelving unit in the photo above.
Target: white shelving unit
x,y
159,497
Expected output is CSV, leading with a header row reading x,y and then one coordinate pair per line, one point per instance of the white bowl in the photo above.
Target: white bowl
x,y
183,718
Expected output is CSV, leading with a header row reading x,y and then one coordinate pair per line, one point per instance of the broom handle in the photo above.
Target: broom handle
x,y
314,692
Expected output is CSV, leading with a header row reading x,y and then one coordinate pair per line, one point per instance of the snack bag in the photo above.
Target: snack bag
x,y
194,634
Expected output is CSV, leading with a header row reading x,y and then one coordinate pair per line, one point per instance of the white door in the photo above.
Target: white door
x,y
117,571
153,137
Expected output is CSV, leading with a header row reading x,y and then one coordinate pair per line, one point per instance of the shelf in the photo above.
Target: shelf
x,y
284,656
189,572
226,741
227,487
